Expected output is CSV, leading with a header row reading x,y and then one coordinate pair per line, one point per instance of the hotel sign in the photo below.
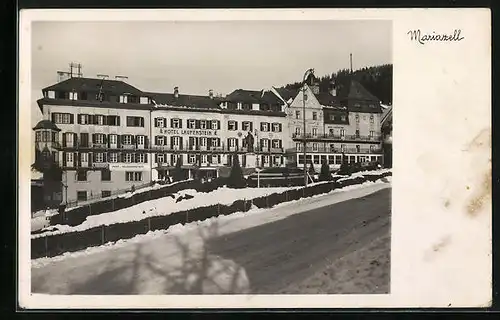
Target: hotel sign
x,y
189,132
128,166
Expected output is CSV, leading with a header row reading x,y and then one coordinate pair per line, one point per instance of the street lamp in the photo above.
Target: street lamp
x,y
304,97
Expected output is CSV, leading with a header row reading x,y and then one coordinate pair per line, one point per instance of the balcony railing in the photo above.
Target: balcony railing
x,y
336,137
321,149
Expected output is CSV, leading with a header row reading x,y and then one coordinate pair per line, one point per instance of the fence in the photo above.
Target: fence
x,y
53,245
76,216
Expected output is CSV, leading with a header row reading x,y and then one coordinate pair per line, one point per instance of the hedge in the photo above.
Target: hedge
x,y
53,245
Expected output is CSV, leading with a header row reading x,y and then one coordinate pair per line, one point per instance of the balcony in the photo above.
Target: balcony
x,y
323,149
335,137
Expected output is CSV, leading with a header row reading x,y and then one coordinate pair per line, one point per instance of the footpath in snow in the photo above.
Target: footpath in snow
x,y
234,222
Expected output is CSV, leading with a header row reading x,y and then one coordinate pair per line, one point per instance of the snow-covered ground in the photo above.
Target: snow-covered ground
x,y
40,219
234,222
167,205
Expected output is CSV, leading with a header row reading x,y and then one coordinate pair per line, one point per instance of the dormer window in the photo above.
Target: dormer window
x,y
73,95
51,94
144,100
123,99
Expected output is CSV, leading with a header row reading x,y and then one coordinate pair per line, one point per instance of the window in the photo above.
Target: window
x,y
106,175
358,148
316,159
276,143
215,125
301,159
276,127
140,158
132,99
265,143
191,124
160,140
69,157
371,118
113,138
315,115
343,118
203,142
113,157
315,147
247,106
112,120
127,139
99,119
128,158
331,131
265,159
342,132
99,157
140,140
62,118
232,125
83,119
84,157
338,159
331,159
81,175
105,193
176,123
176,141
160,122
247,126
37,136
372,147
135,122
215,142
203,124
297,130
81,195
342,147
357,133
191,158
215,158
204,158
99,138
160,158
297,114
232,142
133,176
298,146
332,117
357,118
372,134
314,131
264,126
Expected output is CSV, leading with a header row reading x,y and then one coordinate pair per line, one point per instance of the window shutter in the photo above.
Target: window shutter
x,y
156,140
146,142
269,124
262,126
93,156
218,142
180,123
118,141
236,125
134,140
123,139
120,157
251,126
105,139
261,143
209,158
75,139
53,116
71,118
93,137
156,158
218,158
218,125
64,141
171,123
156,122
105,157
237,143
118,120
197,124
280,128
64,159
280,144
171,141
141,121
181,143
145,158
78,119
227,141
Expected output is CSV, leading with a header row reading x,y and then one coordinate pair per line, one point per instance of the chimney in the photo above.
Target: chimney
x,y
211,93
333,89
176,92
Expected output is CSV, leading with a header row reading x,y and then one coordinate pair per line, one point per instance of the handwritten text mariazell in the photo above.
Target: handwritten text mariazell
x,y
422,38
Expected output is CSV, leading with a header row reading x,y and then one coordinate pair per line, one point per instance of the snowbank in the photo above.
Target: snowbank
x,y
279,211
167,205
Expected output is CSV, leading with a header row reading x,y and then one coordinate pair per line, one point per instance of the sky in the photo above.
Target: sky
x,y
198,56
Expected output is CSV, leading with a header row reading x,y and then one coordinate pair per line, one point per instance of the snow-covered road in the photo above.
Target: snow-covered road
x,y
178,260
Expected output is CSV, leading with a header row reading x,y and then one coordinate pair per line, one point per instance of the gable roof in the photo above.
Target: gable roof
x,y
93,84
184,100
287,94
357,91
252,96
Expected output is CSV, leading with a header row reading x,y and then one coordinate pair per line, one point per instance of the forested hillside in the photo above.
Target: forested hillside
x,y
376,79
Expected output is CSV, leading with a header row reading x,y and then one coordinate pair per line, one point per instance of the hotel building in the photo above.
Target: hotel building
x,y
344,123
108,136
